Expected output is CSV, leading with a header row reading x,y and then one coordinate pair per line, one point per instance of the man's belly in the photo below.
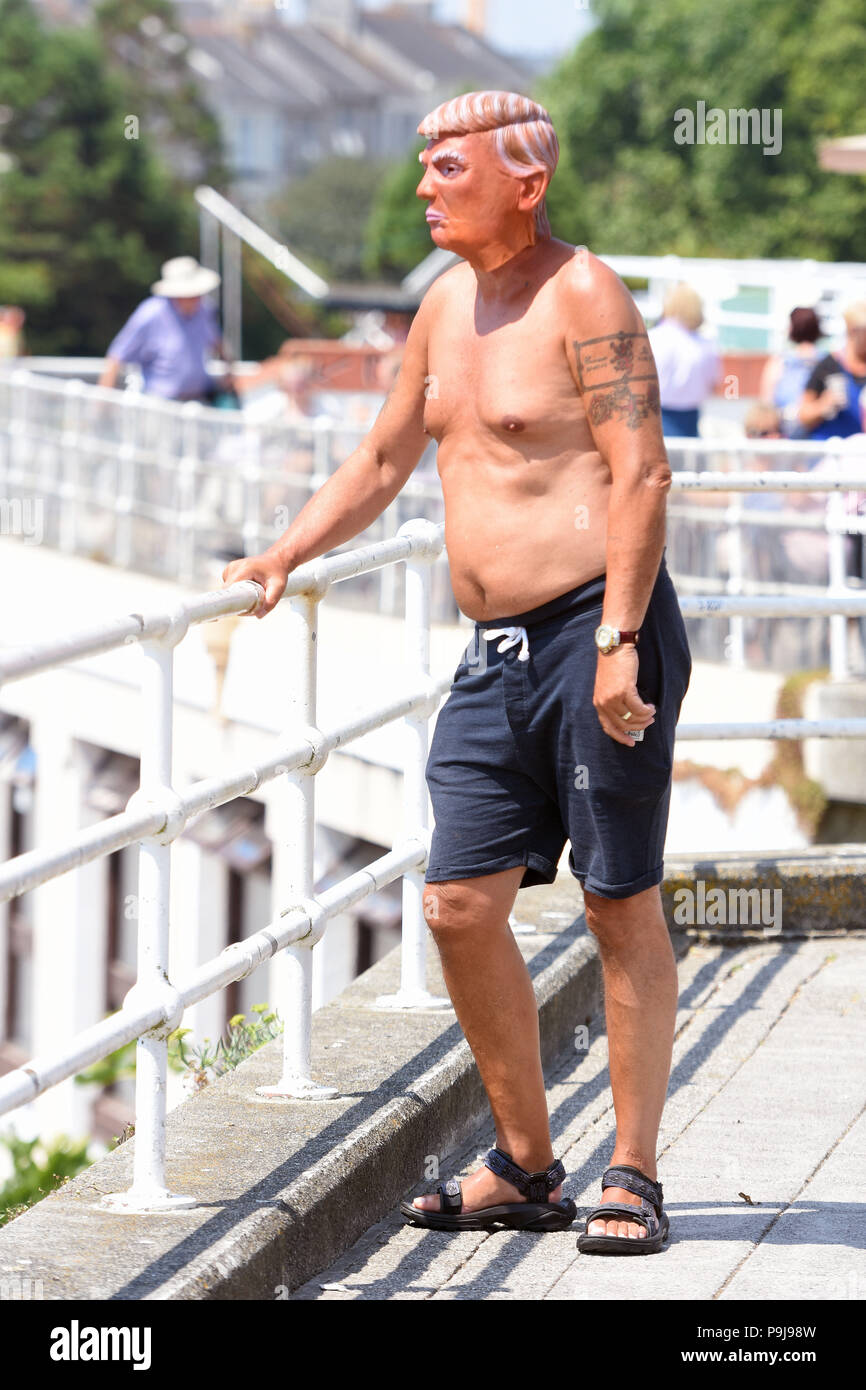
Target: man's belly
x,y
510,554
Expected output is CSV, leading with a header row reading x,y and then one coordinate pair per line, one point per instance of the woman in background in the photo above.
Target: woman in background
x,y
784,377
689,365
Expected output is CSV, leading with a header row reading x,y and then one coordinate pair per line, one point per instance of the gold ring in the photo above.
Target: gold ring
x,y
627,715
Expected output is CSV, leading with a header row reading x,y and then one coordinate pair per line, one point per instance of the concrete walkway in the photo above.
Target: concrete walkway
x,y
766,1101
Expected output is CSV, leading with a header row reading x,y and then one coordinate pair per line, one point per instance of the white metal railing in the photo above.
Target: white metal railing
x,y
781,285
841,477
158,812
176,490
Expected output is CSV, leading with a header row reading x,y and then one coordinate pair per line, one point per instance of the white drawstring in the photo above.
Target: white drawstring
x,y
511,636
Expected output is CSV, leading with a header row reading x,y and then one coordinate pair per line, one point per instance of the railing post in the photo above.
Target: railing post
x,y
125,504
294,966
149,1191
838,586
186,482
69,480
736,643
413,992
251,474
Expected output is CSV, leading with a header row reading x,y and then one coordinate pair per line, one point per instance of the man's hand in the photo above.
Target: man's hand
x,y
616,694
269,570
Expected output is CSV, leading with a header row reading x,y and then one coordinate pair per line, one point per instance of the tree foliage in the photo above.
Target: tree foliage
x,y
624,185
87,214
322,215
148,52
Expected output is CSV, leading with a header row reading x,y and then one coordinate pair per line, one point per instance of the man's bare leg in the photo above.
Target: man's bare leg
x,y
493,998
640,989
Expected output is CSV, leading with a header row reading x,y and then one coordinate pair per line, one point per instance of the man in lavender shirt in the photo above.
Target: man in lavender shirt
x,y
171,334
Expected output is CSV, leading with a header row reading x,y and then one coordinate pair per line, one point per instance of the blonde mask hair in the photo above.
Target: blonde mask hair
x,y
523,133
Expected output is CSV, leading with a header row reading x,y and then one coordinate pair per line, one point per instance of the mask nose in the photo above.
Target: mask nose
x,y
425,187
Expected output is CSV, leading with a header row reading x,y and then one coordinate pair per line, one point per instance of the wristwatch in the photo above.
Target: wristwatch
x,y
606,638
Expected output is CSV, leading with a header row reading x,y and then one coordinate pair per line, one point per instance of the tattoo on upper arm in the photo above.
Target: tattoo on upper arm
x,y
618,375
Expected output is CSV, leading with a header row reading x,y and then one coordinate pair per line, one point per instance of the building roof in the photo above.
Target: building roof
x,y
452,54
396,51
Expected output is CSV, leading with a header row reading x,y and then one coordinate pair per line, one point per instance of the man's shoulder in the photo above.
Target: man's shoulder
x,y
589,289
148,310
593,295
585,275
445,286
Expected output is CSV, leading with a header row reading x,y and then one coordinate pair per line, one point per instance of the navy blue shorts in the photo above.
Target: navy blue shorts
x,y
519,763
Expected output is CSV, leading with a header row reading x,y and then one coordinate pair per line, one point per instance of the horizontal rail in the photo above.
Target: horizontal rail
x,y
234,963
769,482
316,576
848,604
35,867
775,729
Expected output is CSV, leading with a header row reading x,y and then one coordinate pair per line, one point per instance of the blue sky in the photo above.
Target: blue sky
x,y
538,26
530,26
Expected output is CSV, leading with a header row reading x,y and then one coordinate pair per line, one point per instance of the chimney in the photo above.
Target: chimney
x,y
344,13
476,15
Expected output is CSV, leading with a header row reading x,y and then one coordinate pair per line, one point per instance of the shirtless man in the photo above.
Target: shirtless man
x,y
546,412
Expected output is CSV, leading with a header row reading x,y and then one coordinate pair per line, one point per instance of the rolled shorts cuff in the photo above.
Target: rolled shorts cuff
x,y
620,890
543,870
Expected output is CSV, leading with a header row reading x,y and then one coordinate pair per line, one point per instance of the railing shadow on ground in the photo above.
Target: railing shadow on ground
x,y
517,1247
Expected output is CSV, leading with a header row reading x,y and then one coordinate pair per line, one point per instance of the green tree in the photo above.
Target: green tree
x,y
86,214
149,52
322,215
397,237
625,185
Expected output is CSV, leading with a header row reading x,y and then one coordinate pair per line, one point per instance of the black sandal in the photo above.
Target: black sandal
x,y
650,1214
535,1214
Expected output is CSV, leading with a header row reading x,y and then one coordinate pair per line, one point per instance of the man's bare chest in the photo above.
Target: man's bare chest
x,y
513,377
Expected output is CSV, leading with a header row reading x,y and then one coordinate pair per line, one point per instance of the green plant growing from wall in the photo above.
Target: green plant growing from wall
x,y
38,1167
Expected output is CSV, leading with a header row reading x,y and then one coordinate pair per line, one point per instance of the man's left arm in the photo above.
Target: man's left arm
x,y
615,372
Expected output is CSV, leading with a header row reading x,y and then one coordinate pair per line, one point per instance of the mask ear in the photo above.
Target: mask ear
x,y
533,188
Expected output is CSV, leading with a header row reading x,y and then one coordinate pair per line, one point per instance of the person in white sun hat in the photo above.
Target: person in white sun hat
x,y
171,334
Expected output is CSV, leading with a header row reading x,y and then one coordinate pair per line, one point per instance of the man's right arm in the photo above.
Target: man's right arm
x,y
360,489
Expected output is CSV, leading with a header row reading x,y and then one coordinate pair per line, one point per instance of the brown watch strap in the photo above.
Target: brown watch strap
x,y
629,637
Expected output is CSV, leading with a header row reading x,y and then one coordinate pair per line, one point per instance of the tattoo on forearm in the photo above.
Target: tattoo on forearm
x,y
618,375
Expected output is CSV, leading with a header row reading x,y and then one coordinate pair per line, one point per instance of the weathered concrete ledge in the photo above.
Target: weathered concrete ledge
x,y
822,892
284,1187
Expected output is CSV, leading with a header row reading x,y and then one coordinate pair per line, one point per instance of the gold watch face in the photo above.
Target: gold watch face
x,y
604,637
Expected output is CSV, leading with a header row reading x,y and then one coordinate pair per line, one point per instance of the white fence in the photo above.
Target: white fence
x,y
176,490
158,812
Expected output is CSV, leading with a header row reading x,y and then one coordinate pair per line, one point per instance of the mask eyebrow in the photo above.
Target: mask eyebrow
x,y
448,157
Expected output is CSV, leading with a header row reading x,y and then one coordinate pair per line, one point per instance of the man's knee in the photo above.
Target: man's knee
x,y
614,919
465,903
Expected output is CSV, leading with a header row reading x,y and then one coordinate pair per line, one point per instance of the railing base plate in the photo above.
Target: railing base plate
x,y
297,1088
144,1203
412,999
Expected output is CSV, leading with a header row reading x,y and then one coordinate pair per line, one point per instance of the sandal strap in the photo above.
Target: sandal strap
x,y
535,1187
633,1180
450,1197
645,1215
